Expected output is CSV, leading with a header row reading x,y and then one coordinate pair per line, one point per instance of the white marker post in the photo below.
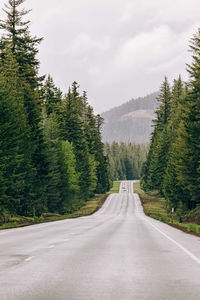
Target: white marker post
x,y
172,214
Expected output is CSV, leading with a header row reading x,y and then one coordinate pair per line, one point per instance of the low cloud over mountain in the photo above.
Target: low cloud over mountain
x,y
130,122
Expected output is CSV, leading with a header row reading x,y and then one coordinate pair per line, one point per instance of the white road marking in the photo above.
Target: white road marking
x,y
51,247
136,205
29,258
190,254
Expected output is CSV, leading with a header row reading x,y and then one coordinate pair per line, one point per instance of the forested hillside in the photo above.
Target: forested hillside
x,y
130,122
51,153
125,160
173,163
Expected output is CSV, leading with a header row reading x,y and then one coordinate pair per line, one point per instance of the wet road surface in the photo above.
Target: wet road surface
x,y
116,254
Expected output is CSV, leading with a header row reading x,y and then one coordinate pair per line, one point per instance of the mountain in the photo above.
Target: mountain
x,y
131,121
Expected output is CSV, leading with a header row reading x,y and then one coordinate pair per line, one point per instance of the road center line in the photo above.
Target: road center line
x,y
29,258
52,246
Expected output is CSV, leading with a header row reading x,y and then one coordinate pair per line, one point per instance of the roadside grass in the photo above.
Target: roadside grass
x,y
193,216
89,208
115,188
153,205
157,207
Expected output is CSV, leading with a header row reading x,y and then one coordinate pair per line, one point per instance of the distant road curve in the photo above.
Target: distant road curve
x,y
115,254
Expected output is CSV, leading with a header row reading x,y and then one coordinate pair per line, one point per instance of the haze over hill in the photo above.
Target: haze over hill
x,y
131,121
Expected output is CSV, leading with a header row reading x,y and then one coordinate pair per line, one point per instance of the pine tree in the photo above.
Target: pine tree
x,y
70,179
182,176
164,98
125,160
17,36
53,148
173,190
193,125
14,137
24,49
188,132
153,171
52,96
72,130
93,127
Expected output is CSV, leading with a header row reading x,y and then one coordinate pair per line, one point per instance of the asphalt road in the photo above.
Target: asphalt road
x,y
115,254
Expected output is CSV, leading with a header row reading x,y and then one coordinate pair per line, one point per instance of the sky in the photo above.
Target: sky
x,y
115,49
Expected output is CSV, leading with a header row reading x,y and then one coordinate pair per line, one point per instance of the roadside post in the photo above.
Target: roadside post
x,y
172,214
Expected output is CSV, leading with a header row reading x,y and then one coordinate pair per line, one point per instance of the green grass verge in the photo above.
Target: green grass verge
x,y
89,208
115,188
157,207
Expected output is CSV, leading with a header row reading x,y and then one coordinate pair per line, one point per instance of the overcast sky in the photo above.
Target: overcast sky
x,y
115,49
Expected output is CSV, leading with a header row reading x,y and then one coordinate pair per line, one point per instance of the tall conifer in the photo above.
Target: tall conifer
x,y
14,137
24,48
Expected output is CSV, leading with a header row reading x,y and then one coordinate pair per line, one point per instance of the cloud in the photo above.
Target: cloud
x,y
154,50
146,48
84,45
160,11
116,49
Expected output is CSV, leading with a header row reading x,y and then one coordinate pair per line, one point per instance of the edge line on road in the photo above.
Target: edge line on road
x,y
190,254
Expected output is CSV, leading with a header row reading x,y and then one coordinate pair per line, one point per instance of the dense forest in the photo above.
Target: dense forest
x,y
51,153
125,160
52,158
173,162
130,122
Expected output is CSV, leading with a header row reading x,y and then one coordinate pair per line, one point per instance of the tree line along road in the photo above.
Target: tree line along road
x,y
117,253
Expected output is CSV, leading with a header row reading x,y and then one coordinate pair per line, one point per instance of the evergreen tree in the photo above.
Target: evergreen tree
x,y
14,137
52,96
192,122
72,130
156,163
125,160
164,98
188,133
53,148
93,127
24,49
173,190
70,190
172,164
